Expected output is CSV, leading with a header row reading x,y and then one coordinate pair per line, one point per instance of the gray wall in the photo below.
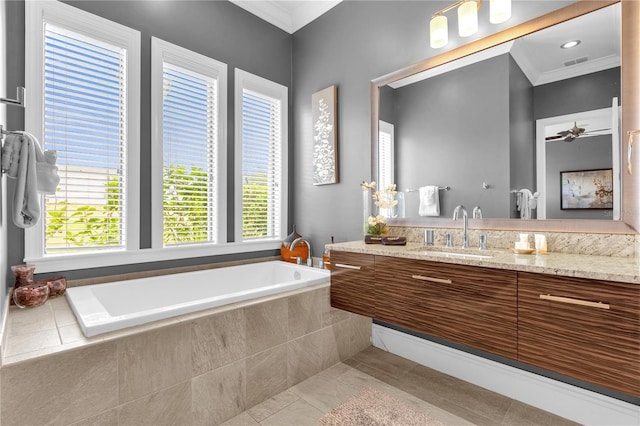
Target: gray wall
x,y
584,93
522,148
453,130
350,45
217,29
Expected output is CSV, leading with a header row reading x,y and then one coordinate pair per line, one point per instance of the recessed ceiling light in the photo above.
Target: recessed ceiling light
x,y
570,44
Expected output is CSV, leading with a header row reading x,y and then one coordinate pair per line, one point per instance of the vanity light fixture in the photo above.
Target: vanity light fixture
x,y
500,11
468,18
570,44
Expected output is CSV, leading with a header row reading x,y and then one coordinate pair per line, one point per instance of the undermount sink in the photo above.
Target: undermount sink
x,y
455,252
458,255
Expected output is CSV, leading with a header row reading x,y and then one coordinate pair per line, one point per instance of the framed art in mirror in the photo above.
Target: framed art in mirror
x,y
586,189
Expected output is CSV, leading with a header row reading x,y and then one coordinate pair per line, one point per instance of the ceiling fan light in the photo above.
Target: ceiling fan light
x,y
499,11
467,18
438,31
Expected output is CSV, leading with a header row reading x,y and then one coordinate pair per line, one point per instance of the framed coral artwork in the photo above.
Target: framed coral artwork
x,y
586,189
324,105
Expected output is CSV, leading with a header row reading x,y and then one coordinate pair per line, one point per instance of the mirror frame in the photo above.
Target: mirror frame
x,y
630,94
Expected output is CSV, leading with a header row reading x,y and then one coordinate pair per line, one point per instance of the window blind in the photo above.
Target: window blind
x,y
385,156
189,132
84,121
261,166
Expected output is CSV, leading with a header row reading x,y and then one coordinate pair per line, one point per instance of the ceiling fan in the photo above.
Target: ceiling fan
x,y
573,133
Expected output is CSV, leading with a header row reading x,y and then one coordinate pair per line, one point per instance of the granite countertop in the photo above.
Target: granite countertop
x,y
569,265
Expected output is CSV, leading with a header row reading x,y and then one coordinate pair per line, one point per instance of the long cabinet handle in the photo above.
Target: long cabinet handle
x,y
342,265
572,301
431,279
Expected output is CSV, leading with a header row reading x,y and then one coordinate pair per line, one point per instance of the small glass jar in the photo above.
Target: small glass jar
x,y
57,286
31,295
326,258
23,274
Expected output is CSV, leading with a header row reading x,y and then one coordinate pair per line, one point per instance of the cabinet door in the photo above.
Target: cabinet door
x,y
582,328
352,282
473,306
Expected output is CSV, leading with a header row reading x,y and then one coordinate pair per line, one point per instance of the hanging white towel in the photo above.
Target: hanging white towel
x,y
26,201
526,202
429,201
35,172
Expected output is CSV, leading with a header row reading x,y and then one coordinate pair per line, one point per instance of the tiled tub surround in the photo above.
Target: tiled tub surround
x,y
615,245
200,368
101,308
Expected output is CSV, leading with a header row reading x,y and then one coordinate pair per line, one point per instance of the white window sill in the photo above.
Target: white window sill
x,y
68,262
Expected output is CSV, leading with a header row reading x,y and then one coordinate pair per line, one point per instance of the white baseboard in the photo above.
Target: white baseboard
x,y
565,400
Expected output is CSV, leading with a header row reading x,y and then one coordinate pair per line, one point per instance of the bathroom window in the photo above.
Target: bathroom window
x,y
189,155
82,79
261,158
385,154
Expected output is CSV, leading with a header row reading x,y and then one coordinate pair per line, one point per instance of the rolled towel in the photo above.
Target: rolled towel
x,y
429,201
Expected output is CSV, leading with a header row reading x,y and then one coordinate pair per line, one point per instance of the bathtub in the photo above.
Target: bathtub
x,y
101,308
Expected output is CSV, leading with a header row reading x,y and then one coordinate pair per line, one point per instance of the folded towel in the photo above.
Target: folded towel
x,y
429,201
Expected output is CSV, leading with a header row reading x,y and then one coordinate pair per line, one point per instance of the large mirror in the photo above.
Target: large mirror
x,y
516,125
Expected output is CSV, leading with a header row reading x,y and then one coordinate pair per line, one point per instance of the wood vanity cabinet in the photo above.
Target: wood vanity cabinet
x,y
473,306
352,284
582,328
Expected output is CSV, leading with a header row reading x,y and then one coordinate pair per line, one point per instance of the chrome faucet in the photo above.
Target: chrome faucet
x,y
298,240
477,213
465,217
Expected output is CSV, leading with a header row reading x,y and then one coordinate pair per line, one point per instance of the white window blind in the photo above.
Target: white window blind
x,y
385,155
261,166
85,122
189,133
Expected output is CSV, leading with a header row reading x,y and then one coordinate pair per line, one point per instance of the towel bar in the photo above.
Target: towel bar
x,y
441,188
19,101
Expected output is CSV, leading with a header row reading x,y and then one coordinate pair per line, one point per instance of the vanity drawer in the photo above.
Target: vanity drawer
x,y
473,306
352,276
582,328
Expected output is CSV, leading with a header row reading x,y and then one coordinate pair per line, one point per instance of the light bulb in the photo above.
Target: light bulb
x,y
467,18
439,31
499,11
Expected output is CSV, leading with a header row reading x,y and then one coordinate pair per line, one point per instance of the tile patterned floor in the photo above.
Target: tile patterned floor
x,y
450,400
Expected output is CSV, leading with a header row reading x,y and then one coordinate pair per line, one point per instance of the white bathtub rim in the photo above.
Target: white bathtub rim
x,y
100,322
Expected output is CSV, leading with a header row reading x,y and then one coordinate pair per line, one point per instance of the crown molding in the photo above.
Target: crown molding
x,y
289,16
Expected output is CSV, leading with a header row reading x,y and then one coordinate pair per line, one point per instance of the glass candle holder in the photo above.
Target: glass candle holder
x,y
31,295
23,274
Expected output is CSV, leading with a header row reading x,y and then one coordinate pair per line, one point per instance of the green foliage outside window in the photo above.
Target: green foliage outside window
x,y
185,213
254,207
185,205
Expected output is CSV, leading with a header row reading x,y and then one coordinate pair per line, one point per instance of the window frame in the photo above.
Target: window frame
x,y
161,52
92,26
388,128
246,80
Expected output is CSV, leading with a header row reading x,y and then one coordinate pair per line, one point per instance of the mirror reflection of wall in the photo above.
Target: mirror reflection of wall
x,y
475,124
